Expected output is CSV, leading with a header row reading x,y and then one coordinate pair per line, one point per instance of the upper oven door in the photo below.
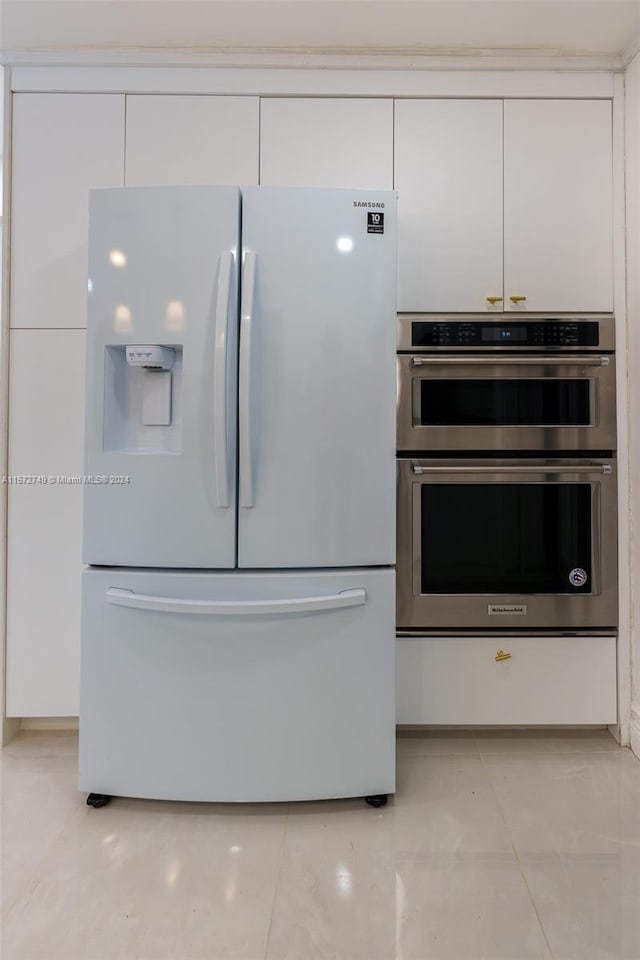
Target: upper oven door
x,y
502,402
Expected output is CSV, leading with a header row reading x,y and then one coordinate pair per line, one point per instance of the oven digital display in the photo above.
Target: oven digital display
x,y
503,334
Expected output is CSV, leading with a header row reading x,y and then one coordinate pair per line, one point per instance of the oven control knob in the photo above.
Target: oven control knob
x,y
578,577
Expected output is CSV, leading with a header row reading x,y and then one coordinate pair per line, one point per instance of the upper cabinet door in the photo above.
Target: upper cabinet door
x,y
317,142
558,205
448,175
63,145
189,140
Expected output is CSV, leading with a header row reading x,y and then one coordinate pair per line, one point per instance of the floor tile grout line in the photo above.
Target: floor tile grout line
x,y
277,883
516,855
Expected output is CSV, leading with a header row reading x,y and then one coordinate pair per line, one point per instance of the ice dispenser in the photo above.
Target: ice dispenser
x,y
142,408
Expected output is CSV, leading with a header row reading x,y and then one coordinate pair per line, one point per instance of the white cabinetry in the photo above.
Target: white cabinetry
x,y
551,225
558,230
44,522
319,142
448,174
540,240
63,144
189,140
506,680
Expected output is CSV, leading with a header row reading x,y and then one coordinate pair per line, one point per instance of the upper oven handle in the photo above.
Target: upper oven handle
x,y
537,360
604,468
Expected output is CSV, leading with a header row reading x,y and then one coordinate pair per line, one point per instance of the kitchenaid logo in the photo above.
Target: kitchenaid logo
x,y
368,203
507,610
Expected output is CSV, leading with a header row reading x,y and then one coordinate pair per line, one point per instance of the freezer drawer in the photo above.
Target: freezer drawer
x,y
237,686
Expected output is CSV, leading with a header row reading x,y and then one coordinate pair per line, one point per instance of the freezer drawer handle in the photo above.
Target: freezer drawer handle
x,y
537,361
220,379
334,601
244,398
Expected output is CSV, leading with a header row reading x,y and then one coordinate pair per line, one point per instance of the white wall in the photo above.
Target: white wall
x,y
632,151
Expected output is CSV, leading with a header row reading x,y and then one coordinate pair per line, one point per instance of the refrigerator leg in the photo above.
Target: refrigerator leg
x,y
102,799
377,800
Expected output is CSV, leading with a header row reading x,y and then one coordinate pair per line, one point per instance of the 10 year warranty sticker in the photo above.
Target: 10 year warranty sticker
x,y
375,222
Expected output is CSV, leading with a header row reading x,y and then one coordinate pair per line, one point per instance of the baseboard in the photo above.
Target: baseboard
x,y
635,730
10,726
402,728
49,723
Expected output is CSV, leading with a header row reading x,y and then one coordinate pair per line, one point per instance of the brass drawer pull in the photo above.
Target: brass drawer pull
x,y
501,655
494,299
517,298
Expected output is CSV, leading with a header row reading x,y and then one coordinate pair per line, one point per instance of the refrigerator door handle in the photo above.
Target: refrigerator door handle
x,y
220,379
335,601
244,399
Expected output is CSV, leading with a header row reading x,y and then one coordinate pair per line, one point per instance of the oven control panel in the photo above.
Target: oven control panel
x,y
487,335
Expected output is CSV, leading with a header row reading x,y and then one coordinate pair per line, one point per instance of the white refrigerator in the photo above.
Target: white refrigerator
x,y
238,611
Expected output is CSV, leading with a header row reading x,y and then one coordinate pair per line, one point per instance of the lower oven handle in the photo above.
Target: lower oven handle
x,y
603,468
532,361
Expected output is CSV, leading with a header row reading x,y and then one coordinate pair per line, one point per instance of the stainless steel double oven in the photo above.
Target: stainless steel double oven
x,y
507,500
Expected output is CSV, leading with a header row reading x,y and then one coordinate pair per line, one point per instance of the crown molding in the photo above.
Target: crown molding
x,y
630,51
339,59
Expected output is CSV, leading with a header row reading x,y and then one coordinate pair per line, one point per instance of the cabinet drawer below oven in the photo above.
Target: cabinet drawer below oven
x,y
506,680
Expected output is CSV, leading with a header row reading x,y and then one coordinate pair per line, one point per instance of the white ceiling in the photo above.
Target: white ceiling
x,y
566,27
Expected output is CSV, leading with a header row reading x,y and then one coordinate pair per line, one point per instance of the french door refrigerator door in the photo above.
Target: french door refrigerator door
x,y
237,686
317,386
161,398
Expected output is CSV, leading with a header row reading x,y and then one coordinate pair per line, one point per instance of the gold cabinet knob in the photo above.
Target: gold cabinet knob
x,y
494,299
517,299
501,655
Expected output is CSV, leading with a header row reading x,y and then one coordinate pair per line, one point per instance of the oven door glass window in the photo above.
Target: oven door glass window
x,y
506,538
496,402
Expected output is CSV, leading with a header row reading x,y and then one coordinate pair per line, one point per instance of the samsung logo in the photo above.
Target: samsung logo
x,y
507,610
368,203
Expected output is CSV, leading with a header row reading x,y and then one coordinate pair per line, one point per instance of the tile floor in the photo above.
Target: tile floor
x,y
502,844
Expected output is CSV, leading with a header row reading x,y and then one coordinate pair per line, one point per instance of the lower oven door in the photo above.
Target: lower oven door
x,y
507,544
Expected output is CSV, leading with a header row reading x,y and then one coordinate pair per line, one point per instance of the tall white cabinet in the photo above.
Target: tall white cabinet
x,y
63,144
45,522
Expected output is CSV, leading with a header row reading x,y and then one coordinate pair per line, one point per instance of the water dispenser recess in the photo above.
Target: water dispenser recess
x,y
156,383
143,398
156,398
